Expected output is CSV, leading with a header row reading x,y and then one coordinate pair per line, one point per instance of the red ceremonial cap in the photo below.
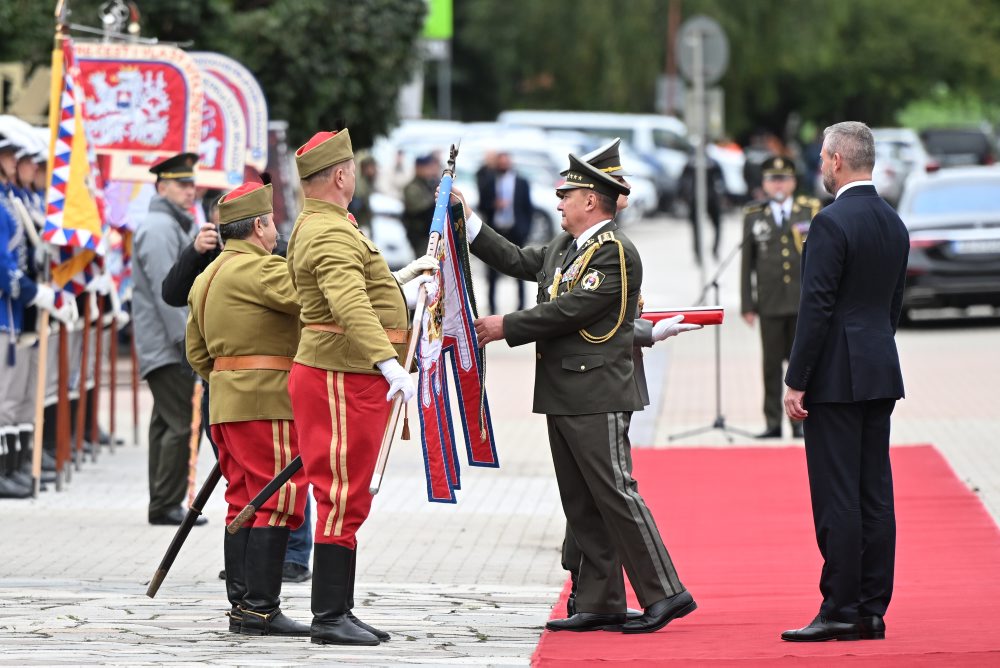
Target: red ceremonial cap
x,y
248,201
323,150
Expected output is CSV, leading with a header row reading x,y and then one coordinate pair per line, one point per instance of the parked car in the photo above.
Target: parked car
x,y
889,173
953,147
908,149
953,217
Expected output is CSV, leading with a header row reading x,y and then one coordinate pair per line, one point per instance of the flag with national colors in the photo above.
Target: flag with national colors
x,y
448,340
74,212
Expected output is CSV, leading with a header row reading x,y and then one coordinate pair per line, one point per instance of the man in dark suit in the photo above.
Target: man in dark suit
x,y
505,204
843,380
589,279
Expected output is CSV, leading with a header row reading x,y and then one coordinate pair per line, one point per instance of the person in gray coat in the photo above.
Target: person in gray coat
x,y
159,336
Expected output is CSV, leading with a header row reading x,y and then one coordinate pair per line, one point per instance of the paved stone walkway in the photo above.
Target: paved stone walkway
x,y
470,583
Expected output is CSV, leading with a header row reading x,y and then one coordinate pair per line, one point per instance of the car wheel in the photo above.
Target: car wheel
x,y
542,228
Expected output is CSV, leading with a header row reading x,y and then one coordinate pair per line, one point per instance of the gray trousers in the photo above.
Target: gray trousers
x,y
606,515
169,436
776,335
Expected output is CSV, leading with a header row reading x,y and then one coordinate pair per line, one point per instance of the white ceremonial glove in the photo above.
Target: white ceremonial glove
x,y
67,313
399,380
411,290
122,318
671,327
100,285
45,298
415,268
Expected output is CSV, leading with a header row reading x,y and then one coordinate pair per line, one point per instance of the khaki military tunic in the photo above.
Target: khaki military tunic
x,y
251,309
772,257
343,280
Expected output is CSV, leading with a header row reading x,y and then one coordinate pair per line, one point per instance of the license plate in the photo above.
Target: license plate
x,y
976,247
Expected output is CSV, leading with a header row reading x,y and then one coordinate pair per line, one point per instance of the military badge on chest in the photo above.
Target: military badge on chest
x,y
762,230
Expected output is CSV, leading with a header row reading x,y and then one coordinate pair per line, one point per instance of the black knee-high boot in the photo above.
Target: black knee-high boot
x,y
381,635
234,549
265,555
331,597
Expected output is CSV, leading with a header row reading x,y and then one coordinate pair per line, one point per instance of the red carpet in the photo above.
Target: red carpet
x,y
738,525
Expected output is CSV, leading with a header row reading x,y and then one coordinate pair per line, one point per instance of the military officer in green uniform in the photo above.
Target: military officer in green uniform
x,y
588,279
773,233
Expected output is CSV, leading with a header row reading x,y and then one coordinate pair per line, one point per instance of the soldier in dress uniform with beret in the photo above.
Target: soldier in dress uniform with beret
x,y
356,321
242,333
773,233
588,279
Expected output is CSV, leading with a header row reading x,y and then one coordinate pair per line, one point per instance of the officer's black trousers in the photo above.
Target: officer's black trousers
x,y
850,481
607,516
776,335
169,436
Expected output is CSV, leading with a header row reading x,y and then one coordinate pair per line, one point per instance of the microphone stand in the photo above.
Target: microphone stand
x,y
720,420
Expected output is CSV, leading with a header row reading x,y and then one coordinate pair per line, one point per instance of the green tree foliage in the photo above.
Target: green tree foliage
x,y
318,61
824,60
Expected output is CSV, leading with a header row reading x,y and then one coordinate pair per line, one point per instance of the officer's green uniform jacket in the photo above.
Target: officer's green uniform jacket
x,y
342,279
772,257
252,309
572,375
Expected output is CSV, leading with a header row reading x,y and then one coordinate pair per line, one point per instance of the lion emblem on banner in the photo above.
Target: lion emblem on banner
x,y
133,106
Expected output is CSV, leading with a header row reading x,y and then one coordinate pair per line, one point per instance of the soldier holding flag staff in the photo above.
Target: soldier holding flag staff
x,y
347,369
589,279
242,332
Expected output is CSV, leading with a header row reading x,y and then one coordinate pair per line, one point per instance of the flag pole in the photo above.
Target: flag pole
x,y
81,406
437,227
95,434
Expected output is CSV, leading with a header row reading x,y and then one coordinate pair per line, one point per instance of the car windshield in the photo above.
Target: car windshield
x,y
964,197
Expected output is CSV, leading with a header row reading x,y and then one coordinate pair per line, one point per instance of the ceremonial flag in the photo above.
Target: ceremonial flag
x,y
74,212
448,339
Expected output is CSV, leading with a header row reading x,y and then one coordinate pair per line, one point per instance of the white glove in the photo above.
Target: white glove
x,y
122,318
415,268
399,380
45,298
100,285
411,290
67,313
671,327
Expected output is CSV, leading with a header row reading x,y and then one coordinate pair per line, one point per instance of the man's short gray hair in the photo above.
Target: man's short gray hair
x,y
238,229
854,142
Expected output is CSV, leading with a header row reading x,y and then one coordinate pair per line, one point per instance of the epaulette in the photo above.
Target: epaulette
x,y
808,201
605,237
754,207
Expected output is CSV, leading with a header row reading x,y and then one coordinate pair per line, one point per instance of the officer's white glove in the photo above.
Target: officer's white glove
x,y
122,318
411,290
45,298
399,380
100,284
67,313
671,327
415,268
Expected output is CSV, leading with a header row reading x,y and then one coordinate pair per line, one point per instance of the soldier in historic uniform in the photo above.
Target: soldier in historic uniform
x,y
773,233
588,291
242,333
346,371
606,158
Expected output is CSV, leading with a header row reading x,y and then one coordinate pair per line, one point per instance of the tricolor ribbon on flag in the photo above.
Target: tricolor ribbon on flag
x,y
448,340
74,211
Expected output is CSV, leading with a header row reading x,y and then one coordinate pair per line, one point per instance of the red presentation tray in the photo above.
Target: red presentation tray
x,y
694,315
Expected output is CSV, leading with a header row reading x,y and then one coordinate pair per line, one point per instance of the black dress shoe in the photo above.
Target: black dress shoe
x,y
587,621
662,613
797,431
10,489
821,629
630,613
775,432
872,628
293,572
175,517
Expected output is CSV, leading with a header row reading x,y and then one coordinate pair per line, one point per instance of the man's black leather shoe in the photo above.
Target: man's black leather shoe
x,y
872,628
821,629
175,517
797,431
662,613
293,572
587,621
770,433
630,613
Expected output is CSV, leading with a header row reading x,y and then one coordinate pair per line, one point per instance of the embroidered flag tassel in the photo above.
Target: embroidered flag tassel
x,y
406,422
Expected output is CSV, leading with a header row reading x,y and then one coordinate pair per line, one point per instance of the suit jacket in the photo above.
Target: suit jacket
x,y
770,268
853,270
523,211
572,375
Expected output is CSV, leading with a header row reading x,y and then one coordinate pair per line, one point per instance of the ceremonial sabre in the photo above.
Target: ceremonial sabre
x,y
437,228
270,488
184,529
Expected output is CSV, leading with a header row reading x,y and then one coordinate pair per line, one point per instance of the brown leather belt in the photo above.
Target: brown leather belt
x,y
395,335
256,362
